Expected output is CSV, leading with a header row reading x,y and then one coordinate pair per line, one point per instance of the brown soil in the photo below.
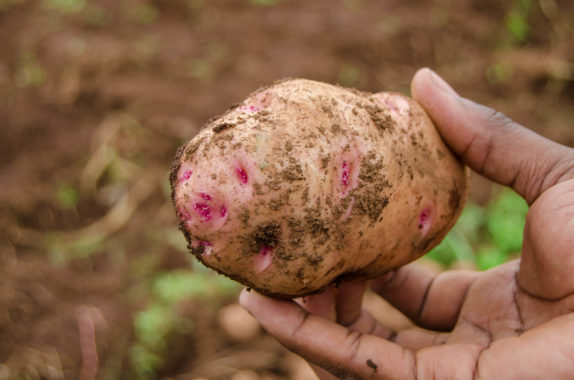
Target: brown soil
x,y
95,99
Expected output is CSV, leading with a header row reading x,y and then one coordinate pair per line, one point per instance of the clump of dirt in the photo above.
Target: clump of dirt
x,y
222,127
266,235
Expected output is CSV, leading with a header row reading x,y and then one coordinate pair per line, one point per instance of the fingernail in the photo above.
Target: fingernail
x,y
244,298
251,301
441,84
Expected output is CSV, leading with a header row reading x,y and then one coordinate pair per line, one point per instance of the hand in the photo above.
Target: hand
x,y
513,321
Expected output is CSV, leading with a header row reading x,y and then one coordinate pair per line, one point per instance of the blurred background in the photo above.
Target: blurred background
x,y
95,97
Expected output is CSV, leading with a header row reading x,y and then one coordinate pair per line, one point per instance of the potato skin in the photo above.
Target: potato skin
x,y
305,183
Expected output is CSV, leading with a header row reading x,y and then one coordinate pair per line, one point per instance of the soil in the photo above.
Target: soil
x,y
95,98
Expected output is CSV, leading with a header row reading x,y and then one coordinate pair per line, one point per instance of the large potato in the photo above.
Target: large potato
x,y
305,183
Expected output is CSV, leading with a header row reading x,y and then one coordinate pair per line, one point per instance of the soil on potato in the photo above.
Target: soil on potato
x,y
95,97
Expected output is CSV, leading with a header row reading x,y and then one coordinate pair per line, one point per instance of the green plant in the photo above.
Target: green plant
x,y
68,196
157,324
61,250
485,236
505,221
457,246
517,19
499,72
264,3
65,6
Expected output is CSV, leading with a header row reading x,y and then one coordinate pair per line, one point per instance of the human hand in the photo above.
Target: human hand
x,y
513,321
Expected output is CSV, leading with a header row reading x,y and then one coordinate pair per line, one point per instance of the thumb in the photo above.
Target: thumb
x,y
490,143
547,261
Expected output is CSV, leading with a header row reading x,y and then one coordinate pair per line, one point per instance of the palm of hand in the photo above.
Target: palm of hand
x,y
502,332
513,320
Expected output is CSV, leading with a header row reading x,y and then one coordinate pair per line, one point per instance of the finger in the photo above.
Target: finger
x,y
343,304
321,304
431,301
341,351
491,143
331,304
349,301
412,339
547,261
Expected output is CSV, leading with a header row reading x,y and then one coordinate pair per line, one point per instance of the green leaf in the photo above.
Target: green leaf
x,y
454,247
499,72
144,361
65,6
153,325
172,287
518,25
443,253
68,196
264,3
490,257
457,245
505,221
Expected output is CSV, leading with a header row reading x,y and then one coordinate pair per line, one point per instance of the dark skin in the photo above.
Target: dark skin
x,y
515,321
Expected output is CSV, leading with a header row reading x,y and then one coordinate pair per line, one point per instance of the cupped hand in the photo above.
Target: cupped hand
x,y
515,321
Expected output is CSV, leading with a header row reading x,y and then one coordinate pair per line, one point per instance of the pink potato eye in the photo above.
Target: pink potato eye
x,y
423,217
185,176
349,176
345,173
242,174
208,209
257,103
264,259
203,210
425,221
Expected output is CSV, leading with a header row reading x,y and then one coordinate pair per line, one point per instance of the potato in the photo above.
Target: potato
x,y
305,183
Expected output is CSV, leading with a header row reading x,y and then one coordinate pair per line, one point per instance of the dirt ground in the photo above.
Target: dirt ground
x,y
95,97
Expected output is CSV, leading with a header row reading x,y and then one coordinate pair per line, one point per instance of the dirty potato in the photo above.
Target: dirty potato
x,y
305,183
